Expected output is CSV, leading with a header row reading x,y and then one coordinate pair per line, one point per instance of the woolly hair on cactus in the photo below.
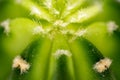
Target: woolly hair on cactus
x,y
61,40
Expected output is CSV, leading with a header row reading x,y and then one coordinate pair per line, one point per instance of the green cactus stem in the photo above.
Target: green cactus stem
x,y
63,42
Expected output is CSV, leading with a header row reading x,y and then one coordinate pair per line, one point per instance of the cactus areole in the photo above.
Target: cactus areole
x,y
57,41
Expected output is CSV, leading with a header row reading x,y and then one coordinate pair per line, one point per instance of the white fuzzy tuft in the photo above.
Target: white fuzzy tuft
x,y
73,19
5,25
77,34
64,31
56,11
111,26
18,62
70,7
38,30
48,3
61,52
80,32
35,11
60,23
82,15
102,65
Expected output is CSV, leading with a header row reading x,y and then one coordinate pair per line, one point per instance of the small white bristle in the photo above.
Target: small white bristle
x,y
112,26
102,65
61,52
73,19
5,25
48,4
82,15
56,11
51,36
60,23
70,6
80,32
50,33
23,65
35,11
64,31
79,17
38,30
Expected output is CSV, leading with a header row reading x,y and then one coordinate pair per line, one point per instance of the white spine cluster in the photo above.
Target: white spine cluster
x,y
61,52
111,26
5,25
23,65
102,65
38,30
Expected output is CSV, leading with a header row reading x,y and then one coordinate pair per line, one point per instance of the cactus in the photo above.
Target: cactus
x,y
59,40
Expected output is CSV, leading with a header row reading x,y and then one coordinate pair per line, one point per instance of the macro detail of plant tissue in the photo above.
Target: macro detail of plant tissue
x,y
59,39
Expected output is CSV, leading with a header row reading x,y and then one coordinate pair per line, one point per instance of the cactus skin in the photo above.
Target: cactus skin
x,y
64,42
